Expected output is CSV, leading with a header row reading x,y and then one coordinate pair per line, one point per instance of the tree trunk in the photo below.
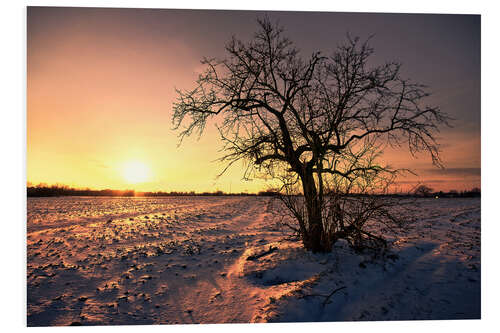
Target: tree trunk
x,y
313,239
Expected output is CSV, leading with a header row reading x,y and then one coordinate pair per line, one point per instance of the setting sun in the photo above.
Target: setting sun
x,y
135,172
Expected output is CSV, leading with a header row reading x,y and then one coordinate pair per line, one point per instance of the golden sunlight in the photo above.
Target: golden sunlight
x,y
135,172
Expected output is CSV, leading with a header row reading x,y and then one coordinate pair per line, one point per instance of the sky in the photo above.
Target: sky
x,y
101,83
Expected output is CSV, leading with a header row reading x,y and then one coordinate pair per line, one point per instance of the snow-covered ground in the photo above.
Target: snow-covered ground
x,y
105,261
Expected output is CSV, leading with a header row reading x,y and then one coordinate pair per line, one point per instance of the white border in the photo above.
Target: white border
x,y
13,166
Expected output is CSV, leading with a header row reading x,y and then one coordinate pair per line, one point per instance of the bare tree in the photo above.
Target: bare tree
x,y
423,191
318,125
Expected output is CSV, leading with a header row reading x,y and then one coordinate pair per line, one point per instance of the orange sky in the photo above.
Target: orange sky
x,y
101,82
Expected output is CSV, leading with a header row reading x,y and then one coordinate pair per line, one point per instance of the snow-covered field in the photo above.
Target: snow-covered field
x,y
110,261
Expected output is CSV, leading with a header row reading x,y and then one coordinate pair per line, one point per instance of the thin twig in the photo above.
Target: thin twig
x,y
333,292
327,297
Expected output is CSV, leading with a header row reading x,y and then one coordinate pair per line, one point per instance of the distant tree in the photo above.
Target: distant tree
x,y
316,124
423,191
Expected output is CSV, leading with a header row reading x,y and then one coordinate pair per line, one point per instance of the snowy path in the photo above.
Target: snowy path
x,y
222,296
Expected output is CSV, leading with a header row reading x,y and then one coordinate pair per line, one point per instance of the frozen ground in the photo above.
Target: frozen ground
x,y
100,261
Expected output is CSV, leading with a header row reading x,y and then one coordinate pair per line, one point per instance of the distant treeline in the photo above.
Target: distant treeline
x,y
43,190
474,193
426,191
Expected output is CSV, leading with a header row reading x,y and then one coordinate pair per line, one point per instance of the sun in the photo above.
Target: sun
x,y
135,172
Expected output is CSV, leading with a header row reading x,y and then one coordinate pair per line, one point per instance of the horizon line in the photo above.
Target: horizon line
x,y
216,191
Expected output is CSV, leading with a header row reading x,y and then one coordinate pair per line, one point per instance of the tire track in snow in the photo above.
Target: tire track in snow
x,y
226,297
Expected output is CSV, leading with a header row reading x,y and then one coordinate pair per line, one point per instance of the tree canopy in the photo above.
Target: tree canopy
x,y
320,122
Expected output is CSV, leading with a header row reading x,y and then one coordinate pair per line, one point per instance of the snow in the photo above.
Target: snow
x,y
101,261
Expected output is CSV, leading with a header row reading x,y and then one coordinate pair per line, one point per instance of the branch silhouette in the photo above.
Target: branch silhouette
x,y
320,121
